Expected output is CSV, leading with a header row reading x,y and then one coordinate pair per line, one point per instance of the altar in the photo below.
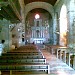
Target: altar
x,y
37,40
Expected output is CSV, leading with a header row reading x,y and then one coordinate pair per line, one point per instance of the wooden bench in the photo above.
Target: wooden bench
x,y
23,61
25,50
8,54
52,48
22,52
25,67
21,56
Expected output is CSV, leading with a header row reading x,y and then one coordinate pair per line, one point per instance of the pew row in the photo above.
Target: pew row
x,y
26,67
8,54
21,56
23,61
24,51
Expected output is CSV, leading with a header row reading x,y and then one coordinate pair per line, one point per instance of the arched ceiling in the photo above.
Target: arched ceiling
x,y
52,2
39,10
11,9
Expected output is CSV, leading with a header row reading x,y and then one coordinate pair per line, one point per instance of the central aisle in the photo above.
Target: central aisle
x,y
57,67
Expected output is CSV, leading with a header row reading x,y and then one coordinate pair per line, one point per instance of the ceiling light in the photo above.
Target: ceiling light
x,y
37,16
0,7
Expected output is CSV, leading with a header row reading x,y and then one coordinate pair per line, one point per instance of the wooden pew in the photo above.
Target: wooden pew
x,y
26,68
23,61
21,56
25,53
25,50
52,48
27,47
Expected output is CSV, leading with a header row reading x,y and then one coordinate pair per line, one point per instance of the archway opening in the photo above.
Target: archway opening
x,y
38,24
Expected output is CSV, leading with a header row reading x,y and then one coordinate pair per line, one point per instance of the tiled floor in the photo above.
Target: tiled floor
x,y
57,67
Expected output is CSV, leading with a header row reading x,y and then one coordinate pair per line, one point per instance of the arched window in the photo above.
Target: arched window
x,y
63,26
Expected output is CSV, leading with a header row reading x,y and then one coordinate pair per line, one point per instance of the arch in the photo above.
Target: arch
x,y
42,5
63,25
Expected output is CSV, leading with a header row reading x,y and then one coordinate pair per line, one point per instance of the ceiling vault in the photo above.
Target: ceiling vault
x,y
14,10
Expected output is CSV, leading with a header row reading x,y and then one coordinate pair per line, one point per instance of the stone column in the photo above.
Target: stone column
x,y
71,16
32,34
40,33
22,5
43,34
52,51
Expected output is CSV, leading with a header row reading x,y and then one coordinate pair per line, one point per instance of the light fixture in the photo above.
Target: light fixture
x,y
0,8
57,32
37,16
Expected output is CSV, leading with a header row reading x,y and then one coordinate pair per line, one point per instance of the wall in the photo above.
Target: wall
x,y
5,34
70,5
